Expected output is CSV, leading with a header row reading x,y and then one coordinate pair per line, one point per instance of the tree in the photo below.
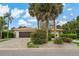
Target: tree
x,y
8,18
12,28
46,12
2,23
71,26
34,12
58,27
22,27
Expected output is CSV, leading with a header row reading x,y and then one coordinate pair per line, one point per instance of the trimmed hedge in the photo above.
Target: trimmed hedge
x,y
77,31
73,36
4,35
38,37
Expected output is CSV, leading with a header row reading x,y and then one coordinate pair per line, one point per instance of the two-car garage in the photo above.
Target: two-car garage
x,y
23,32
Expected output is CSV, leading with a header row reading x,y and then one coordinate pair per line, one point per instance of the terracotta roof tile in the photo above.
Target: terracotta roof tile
x,y
27,29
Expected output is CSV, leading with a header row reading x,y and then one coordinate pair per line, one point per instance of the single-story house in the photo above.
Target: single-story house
x,y
23,32
26,31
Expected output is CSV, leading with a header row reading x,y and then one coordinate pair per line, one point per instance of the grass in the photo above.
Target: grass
x,y
31,45
1,40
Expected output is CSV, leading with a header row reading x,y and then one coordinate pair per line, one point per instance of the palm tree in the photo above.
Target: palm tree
x,y
8,18
46,12
2,23
34,12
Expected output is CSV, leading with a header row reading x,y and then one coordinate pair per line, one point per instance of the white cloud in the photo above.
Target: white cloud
x,y
4,9
16,13
69,9
61,22
71,14
27,15
22,22
32,20
64,17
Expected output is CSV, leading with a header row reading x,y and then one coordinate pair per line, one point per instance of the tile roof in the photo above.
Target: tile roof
x,y
27,29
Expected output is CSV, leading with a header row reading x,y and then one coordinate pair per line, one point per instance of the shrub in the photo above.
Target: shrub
x,y
4,35
11,35
58,41
52,35
38,37
73,36
31,45
49,36
67,40
77,31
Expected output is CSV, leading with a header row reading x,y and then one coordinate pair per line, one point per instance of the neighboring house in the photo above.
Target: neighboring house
x,y
23,32
58,31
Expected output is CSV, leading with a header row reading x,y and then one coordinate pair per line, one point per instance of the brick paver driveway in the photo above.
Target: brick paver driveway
x,y
15,43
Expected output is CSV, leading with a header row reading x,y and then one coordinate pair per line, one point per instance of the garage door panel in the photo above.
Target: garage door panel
x,y
24,34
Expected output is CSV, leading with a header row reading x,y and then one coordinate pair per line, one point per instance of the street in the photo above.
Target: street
x,y
39,52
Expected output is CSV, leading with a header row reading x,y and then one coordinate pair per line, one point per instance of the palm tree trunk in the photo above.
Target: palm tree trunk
x,y
8,30
46,31
38,24
54,29
1,33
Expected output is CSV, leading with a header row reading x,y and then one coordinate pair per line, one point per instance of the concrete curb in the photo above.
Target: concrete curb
x,y
39,48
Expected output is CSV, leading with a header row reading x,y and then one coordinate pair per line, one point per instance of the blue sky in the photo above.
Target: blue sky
x,y
22,18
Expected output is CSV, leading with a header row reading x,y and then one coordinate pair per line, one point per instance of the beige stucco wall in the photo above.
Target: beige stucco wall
x,y
17,34
57,33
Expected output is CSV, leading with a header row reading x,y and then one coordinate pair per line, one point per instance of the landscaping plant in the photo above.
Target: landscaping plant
x,y
50,36
67,40
10,35
73,36
38,37
31,45
58,41
77,31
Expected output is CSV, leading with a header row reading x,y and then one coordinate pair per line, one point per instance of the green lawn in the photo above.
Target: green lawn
x,y
1,40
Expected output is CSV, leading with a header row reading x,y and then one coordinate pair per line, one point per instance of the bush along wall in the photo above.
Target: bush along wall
x,y
73,36
77,31
4,35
